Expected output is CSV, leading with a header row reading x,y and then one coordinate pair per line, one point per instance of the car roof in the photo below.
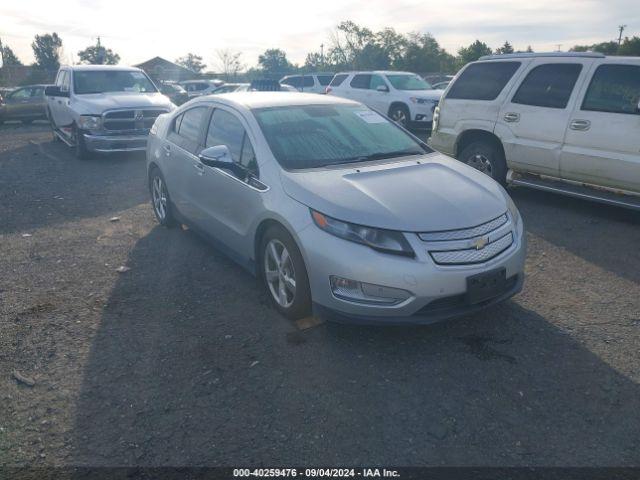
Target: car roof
x,y
542,54
101,68
252,100
379,72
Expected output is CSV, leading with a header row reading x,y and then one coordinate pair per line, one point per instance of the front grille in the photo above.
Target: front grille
x,y
465,233
131,119
472,255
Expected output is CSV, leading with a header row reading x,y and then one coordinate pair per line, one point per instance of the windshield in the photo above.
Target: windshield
x,y
409,82
312,136
100,81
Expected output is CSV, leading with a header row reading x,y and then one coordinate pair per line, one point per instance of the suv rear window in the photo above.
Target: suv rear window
x,y
548,85
338,79
483,81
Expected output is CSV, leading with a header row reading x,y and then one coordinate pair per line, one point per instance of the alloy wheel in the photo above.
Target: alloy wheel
x,y
279,273
399,116
481,163
159,197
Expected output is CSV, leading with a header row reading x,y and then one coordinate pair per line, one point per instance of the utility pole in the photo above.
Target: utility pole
x,y
559,45
621,29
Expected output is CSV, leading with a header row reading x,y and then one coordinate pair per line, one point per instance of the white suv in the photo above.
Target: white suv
x,y
310,83
561,122
404,97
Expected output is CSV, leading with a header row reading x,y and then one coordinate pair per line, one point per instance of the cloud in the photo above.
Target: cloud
x,y
141,29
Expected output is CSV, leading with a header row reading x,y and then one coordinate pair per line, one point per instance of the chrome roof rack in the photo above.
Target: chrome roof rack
x,y
547,54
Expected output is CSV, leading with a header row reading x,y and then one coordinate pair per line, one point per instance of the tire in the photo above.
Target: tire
x,y
400,114
80,148
163,210
486,157
297,298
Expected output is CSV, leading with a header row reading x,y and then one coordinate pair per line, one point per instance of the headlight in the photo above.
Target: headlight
x,y
387,241
90,122
513,211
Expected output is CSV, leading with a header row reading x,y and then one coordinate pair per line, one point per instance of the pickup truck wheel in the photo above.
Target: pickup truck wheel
x,y
80,148
160,200
400,114
487,158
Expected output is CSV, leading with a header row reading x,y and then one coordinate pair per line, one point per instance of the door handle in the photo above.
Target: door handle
x,y
199,167
580,125
167,150
511,117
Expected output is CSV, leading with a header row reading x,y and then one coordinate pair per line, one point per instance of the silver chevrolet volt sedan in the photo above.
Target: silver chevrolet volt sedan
x,y
337,209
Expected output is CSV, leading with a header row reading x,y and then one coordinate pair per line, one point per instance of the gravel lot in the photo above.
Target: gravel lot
x,y
181,361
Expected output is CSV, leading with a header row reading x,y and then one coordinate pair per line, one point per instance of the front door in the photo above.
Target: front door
x,y
602,146
17,104
228,203
534,120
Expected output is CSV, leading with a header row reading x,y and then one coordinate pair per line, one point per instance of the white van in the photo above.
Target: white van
x,y
561,122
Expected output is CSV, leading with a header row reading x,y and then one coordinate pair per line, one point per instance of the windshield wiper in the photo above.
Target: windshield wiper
x,y
377,156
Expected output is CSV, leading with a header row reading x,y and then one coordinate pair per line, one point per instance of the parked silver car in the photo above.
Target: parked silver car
x,y
336,208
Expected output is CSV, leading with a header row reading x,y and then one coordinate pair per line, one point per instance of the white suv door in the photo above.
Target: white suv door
x,y
358,87
532,121
602,145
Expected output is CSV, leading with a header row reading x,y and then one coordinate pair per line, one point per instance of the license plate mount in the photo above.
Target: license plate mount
x,y
486,285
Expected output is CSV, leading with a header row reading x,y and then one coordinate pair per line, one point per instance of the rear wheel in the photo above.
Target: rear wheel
x,y
400,114
486,157
160,199
284,274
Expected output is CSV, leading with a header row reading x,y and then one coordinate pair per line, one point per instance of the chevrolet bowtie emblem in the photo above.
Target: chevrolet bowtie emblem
x,y
480,242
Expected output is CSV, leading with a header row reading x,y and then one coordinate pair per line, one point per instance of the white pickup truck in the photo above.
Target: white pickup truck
x,y
104,108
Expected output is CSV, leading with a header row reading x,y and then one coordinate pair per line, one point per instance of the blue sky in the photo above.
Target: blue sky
x,y
140,29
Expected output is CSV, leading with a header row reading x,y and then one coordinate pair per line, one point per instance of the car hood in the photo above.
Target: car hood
x,y
438,193
97,103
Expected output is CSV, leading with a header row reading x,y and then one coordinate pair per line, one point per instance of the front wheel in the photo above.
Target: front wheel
x,y
80,148
284,274
400,114
487,158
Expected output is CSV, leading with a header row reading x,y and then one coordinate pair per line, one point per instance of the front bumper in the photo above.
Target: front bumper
x,y
443,142
115,143
437,292
422,114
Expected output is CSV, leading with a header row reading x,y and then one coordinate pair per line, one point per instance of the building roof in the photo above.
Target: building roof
x,y
155,61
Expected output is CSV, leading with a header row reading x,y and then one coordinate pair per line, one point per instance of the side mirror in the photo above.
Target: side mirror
x,y
382,88
220,157
54,91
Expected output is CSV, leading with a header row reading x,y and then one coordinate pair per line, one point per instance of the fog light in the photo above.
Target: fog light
x,y
366,292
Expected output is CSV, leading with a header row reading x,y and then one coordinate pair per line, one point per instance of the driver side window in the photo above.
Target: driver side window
x,y
226,129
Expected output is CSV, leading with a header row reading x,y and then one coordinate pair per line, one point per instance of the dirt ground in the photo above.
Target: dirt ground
x,y
181,361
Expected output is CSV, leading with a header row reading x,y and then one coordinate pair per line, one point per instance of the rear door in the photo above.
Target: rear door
x,y
602,145
359,87
534,119
181,165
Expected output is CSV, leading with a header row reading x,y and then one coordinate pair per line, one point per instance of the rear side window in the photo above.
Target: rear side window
x,y
548,85
188,127
293,81
361,81
307,81
614,89
325,79
483,81
338,79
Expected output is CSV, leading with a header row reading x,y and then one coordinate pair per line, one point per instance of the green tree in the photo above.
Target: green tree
x,y
46,50
314,62
423,54
98,55
192,62
608,48
8,57
506,48
274,62
473,52
529,49
630,47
